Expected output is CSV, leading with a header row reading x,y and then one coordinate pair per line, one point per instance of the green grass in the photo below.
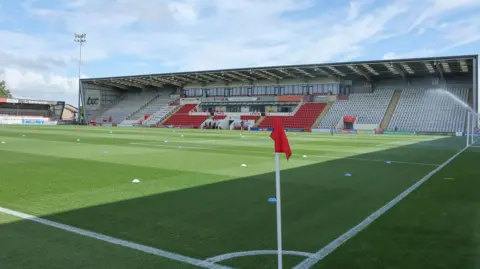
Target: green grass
x,y
198,201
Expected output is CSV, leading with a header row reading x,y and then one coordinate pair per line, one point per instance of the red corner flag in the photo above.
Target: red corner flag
x,y
281,141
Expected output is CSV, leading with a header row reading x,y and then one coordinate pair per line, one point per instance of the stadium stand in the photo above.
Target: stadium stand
x,y
126,107
303,96
153,106
302,119
425,110
159,115
181,118
24,111
148,109
369,108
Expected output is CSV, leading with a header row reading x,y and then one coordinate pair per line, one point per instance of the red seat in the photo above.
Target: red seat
x,y
181,118
303,118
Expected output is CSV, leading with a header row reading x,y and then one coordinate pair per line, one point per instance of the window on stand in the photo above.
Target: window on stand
x,y
277,91
305,90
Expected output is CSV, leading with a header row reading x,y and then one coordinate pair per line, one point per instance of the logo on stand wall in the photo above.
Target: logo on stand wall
x,y
93,100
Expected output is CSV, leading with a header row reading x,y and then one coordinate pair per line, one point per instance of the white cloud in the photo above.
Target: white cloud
x,y
40,86
411,54
463,32
210,34
435,8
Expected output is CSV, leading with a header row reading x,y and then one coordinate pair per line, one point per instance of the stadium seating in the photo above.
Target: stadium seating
x,y
126,107
303,118
154,106
181,118
25,112
250,117
426,110
369,108
159,115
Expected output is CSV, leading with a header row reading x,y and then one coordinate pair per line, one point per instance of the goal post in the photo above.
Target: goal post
x,y
467,130
472,131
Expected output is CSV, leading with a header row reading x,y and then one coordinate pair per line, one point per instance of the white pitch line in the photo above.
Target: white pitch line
x,y
115,241
319,156
332,246
228,256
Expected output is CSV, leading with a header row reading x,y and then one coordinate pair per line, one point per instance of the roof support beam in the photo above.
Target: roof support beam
x,y
220,77
147,82
271,74
283,71
395,70
446,67
262,75
243,75
429,67
127,83
167,81
208,78
190,78
407,68
110,84
370,69
358,71
463,66
304,72
336,71
439,70
215,76
183,79
324,72
234,76
400,72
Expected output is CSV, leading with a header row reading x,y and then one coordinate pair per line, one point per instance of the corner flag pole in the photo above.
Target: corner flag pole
x,y
281,146
279,210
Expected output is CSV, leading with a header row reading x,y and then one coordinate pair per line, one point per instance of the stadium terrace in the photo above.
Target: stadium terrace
x,y
355,96
25,111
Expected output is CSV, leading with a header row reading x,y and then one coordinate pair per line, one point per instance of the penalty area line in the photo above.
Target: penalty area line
x,y
115,241
332,246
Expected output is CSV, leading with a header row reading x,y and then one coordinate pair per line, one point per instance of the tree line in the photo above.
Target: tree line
x,y
4,91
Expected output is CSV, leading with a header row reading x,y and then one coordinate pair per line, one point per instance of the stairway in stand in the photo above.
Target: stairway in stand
x,y
135,115
322,115
391,108
259,120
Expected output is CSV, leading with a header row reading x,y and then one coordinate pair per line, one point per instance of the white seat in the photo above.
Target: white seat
x,y
427,110
159,115
369,108
126,107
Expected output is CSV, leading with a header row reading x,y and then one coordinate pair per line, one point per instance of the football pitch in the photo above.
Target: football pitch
x,y
67,200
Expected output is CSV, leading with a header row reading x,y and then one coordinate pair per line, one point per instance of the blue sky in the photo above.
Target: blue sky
x,y
39,59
